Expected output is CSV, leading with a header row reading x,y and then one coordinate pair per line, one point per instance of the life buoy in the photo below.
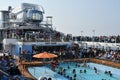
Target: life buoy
x,y
42,78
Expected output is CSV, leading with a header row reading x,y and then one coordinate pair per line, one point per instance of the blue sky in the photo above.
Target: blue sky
x,y
74,16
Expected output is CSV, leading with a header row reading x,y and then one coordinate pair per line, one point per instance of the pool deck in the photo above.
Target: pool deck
x,y
23,66
105,62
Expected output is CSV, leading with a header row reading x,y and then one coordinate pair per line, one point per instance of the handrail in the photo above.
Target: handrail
x,y
4,73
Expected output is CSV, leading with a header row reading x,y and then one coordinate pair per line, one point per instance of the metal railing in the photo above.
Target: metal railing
x,y
4,73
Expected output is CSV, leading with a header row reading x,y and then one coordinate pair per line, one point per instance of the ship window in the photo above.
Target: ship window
x,y
34,15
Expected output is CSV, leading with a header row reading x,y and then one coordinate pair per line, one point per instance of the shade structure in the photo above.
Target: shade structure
x,y
45,55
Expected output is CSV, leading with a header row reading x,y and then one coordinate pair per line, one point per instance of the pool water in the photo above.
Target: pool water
x,y
90,72
45,71
67,73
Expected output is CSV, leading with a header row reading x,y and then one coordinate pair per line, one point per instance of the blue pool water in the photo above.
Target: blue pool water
x,y
45,71
69,75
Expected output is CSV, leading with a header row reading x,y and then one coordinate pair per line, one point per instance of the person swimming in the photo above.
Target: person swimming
x,y
68,67
75,75
73,71
54,64
106,72
84,70
49,78
95,70
110,73
84,63
80,71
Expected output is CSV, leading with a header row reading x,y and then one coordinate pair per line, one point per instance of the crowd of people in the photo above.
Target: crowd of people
x,y
108,39
7,62
40,34
78,69
8,69
36,35
77,53
112,55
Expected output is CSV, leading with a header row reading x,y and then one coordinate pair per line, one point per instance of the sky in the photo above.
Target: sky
x,y
78,17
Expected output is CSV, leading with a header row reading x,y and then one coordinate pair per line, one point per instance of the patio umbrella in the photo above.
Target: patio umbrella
x,y
45,55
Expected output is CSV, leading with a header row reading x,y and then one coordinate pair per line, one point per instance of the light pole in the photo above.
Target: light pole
x,y
93,37
81,38
115,41
81,35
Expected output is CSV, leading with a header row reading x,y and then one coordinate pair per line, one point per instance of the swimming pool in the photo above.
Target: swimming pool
x,y
45,71
80,73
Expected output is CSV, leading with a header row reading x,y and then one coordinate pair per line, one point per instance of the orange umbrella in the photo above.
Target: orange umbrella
x,y
45,55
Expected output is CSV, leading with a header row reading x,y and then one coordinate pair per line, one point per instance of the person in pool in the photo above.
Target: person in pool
x,y
54,64
84,70
95,70
80,71
84,63
49,78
